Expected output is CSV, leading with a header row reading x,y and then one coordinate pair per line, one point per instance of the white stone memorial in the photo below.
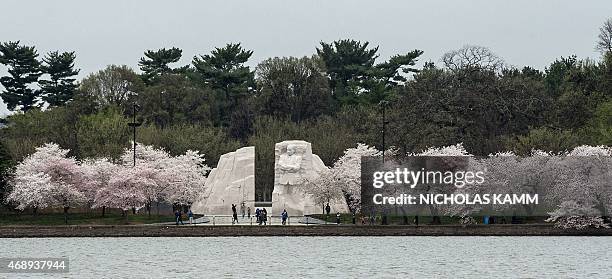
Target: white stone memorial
x,y
294,164
231,182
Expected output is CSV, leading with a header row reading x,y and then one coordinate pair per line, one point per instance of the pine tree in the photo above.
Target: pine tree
x,y
350,65
24,69
155,63
224,70
60,88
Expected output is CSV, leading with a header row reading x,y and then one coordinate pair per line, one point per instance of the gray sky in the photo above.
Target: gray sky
x,y
523,32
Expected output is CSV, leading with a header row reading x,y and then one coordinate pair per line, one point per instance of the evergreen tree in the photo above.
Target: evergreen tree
x,y
60,88
392,72
348,63
224,70
24,69
155,63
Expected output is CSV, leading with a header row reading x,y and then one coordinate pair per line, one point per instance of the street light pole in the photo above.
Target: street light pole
x,y
383,105
134,124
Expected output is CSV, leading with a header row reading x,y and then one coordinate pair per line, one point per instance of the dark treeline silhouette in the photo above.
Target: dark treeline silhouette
x,y
332,99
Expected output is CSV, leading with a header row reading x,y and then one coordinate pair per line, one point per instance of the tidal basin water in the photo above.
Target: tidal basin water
x,y
321,257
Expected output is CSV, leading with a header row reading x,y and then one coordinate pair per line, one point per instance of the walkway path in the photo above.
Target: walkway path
x,y
227,220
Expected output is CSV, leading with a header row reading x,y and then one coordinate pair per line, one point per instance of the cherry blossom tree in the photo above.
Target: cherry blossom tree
x,y
155,160
325,188
186,177
347,173
97,174
577,181
156,177
451,150
128,187
47,178
31,190
456,150
572,215
342,182
581,187
145,154
506,173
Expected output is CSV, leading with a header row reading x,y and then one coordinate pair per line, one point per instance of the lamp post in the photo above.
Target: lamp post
x,y
383,104
134,124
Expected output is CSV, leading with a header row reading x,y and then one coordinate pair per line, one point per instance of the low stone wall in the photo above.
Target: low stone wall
x,y
327,230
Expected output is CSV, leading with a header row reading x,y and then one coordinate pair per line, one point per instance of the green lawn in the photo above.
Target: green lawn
x,y
110,218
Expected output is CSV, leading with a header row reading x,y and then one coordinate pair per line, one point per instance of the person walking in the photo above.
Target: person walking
x,y
338,218
176,217
327,210
179,217
249,212
284,217
258,216
264,216
242,210
234,214
190,216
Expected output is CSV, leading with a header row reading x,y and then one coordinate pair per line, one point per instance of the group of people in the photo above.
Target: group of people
x,y
178,216
261,215
328,210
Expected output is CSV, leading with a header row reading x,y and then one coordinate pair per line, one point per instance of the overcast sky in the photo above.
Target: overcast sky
x,y
523,32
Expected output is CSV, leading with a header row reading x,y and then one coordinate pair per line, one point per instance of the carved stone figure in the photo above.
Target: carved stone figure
x,y
289,164
295,163
233,181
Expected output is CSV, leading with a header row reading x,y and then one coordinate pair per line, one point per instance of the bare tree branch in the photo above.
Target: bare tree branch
x,y
472,58
604,44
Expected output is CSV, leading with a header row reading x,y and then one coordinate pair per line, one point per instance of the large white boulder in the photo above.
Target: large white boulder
x,y
294,164
231,182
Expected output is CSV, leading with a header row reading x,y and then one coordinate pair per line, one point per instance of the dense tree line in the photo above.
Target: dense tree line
x,y
333,99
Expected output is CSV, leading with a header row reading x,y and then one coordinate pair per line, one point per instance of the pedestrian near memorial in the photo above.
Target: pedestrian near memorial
x,y
179,217
284,217
264,216
190,216
234,214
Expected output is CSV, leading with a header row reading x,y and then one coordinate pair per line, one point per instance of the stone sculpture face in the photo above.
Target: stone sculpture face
x,y
294,164
289,165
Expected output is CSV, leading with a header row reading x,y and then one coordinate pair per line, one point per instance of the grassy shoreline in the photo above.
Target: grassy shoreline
x,y
57,219
277,230
115,218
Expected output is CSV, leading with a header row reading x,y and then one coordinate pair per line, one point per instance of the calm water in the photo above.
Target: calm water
x,y
323,257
